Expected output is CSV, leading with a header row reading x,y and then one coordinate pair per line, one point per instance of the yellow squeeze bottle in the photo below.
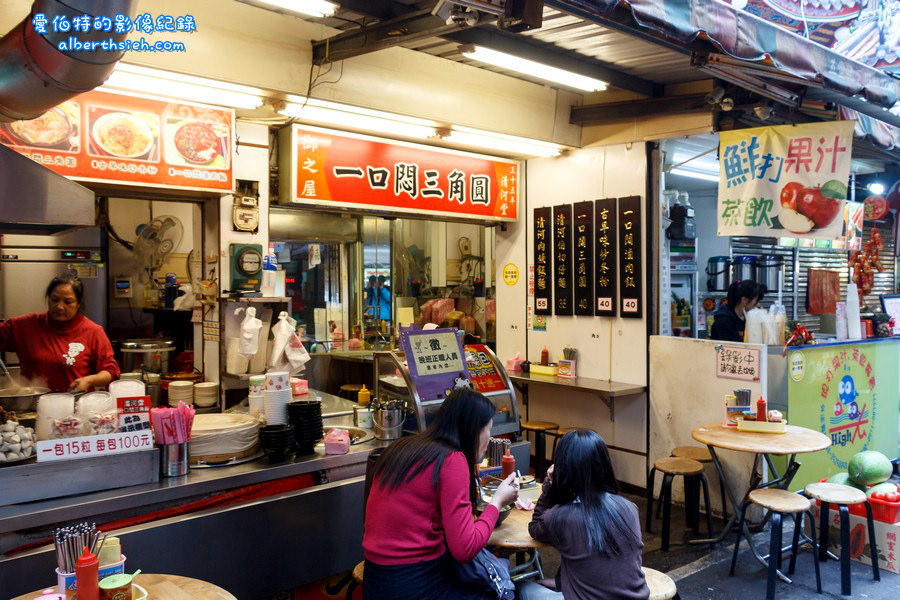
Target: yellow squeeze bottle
x,y
364,396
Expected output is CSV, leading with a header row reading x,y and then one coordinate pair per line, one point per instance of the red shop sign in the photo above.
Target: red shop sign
x,y
131,140
482,373
348,170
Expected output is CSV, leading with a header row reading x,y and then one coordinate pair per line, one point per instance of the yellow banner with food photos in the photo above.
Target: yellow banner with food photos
x,y
785,180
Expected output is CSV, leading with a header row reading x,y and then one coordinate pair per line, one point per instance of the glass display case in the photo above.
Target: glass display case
x,y
393,381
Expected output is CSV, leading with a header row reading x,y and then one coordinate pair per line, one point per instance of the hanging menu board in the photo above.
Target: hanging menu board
x,y
583,234
542,293
562,259
630,278
605,217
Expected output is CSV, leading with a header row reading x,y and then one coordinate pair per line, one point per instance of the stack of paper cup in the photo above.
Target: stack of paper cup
x,y
276,396
255,397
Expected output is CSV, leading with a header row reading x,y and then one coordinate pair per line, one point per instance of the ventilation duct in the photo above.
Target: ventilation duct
x,y
35,75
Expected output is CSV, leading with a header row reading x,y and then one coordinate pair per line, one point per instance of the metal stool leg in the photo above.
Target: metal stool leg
x,y
824,510
812,539
650,482
659,506
737,541
774,554
798,526
724,501
873,549
707,504
350,589
690,503
540,449
666,498
845,550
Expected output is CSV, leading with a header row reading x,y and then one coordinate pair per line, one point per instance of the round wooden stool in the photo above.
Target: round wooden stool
x,y
692,471
701,455
779,503
843,496
357,579
661,585
539,429
350,391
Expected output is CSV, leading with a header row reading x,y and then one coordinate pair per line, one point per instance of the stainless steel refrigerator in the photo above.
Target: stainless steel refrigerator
x,y
29,262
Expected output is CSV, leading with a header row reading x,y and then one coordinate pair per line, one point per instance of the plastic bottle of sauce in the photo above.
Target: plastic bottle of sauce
x,y
507,465
87,569
364,396
761,410
545,356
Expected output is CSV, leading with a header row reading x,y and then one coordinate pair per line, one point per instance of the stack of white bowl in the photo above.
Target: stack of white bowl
x,y
276,396
206,394
255,396
181,391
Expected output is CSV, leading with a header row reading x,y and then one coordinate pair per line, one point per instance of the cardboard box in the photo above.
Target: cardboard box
x,y
887,538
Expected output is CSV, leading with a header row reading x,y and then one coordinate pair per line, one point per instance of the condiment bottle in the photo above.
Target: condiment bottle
x,y
507,465
87,569
364,396
761,410
545,357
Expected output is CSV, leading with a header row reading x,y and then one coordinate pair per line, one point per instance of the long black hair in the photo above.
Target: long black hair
x,y
455,428
583,479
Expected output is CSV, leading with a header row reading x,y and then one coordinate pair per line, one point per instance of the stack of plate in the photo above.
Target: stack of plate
x,y
275,405
217,438
306,417
181,391
206,393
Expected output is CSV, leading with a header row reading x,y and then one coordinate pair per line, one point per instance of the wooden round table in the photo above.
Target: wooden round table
x,y
168,587
796,440
512,537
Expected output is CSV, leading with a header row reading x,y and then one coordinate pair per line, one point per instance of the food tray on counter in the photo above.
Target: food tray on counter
x,y
45,480
761,426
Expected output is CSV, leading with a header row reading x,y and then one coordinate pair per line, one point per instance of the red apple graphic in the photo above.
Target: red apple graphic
x,y
820,209
789,195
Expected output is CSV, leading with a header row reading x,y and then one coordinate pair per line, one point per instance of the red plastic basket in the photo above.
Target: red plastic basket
x,y
882,510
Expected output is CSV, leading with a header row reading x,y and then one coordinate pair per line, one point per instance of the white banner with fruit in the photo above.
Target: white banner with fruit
x,y
785,181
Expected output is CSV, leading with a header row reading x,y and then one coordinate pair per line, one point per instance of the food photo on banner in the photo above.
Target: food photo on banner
x,y
785,181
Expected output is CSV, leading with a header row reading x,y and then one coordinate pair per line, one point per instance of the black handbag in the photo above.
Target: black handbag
x,y
487,571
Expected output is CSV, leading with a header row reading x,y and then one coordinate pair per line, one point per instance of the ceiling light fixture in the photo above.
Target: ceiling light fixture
x,y
695,174
532,68
876,188
183,87
353,117
467,136
312,8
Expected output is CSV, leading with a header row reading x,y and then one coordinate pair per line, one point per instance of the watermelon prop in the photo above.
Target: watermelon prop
x,y
843,478
869,468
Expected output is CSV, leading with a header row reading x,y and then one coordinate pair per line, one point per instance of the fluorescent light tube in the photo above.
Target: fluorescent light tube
x,y
503,143
313,8
532,68
360,118
695,174
185,87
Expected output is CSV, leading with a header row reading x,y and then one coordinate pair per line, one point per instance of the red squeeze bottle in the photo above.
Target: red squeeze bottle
x,y
761,412
87,569
507,465
545,356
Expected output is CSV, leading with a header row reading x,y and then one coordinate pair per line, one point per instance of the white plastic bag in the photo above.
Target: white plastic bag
x,y
281,334
186,301
249,337
296,354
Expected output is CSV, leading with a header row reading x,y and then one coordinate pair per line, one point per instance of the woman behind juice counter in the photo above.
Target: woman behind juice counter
x,y
61,347
729,320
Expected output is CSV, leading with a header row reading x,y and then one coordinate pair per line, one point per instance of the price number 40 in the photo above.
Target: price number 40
x,y
629,305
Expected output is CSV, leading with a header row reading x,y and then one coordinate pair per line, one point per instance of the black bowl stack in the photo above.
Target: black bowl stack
x,y
277,441
306,417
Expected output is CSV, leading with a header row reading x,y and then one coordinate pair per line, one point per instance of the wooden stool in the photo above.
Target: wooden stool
x,y
357,575
702,456
671,468
661,585
844,496
780,503
539,429
350,391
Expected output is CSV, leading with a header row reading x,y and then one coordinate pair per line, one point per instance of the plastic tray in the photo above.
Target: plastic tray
x,y
882,510
544,369
761,426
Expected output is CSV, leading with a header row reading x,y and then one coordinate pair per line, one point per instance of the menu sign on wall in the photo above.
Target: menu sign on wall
x,y
631,275
562,259
129,139
542,276
329,168
605,237
583,234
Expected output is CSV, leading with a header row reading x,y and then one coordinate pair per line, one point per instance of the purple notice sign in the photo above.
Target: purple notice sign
x,y
436,361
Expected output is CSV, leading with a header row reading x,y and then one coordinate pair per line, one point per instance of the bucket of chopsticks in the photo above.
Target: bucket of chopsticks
x,y
69,543
172,432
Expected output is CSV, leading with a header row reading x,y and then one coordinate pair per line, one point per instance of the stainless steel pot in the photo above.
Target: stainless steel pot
x,y
718,269
151,354
768,271
12,398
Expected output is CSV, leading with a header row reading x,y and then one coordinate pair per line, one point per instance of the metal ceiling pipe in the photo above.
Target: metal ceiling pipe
x,y
35,75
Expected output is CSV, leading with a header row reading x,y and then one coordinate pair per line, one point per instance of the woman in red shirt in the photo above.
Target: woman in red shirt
x,y
61,347
420,505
